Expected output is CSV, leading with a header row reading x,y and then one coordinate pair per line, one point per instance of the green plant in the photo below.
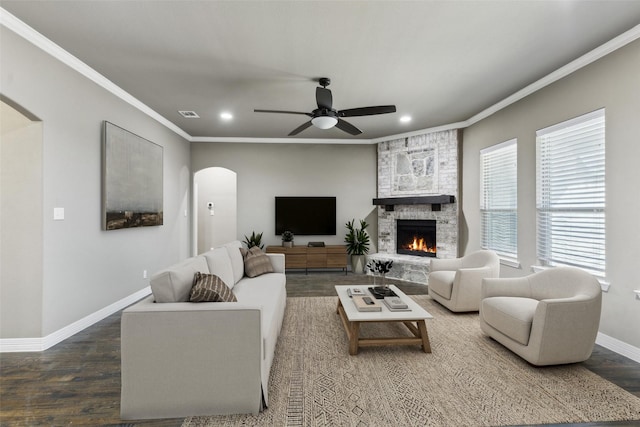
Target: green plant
x,y
254,240
287,236
357,239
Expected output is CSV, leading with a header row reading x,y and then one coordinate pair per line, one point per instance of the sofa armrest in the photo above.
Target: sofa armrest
x,y
565,329
505,287
467,285
472,276
438,264
277,261
181,359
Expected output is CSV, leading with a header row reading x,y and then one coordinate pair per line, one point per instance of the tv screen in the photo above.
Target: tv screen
x,y
310,216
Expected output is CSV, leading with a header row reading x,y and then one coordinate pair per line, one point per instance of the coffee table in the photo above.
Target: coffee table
x,y
352,318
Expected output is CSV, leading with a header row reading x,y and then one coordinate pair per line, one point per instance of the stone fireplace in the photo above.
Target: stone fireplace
x,y
418,181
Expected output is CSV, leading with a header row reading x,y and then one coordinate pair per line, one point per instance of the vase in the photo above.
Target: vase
x,y
287,244
357,264
383,284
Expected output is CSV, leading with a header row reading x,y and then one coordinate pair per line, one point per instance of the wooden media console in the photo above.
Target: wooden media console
x,y
332,256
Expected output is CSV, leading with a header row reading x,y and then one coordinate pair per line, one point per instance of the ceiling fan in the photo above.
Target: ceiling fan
x,y
326,117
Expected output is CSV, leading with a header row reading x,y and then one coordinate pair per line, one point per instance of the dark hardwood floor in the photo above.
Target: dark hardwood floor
x,y
78,381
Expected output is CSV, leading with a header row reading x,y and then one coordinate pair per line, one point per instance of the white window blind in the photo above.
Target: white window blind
x,y
499,198
570,193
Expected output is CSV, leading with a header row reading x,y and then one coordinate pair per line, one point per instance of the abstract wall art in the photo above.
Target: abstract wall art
x,y
131,180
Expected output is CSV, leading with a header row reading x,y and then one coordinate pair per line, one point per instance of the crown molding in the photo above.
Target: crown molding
x,y
30,34
450,126
11,22
586,59
279,140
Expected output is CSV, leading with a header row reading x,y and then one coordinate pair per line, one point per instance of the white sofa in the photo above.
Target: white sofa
x,y
181,358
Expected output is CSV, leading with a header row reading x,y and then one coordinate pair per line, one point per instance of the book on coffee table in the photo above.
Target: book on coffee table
x,y
366,303
395,304
356,291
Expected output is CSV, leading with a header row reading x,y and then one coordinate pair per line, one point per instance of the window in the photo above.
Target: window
x,y
499,198
570,193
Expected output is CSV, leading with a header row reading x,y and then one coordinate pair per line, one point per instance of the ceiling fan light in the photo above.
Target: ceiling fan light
x,y
324,122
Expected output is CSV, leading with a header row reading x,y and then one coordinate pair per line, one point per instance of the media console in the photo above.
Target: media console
x,y
332,256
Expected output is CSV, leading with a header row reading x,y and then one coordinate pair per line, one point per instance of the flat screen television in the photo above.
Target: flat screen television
x,y
307,216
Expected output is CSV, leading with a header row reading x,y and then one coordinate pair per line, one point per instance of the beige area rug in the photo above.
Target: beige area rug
x,y
468,379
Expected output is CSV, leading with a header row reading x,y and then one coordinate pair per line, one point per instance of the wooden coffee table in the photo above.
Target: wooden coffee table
x,y
352,318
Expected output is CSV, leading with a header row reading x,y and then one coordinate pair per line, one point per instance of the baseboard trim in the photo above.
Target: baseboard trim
x,y
13,345
618,346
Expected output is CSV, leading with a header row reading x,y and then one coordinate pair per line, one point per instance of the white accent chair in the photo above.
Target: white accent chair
x,y
547,318
455,283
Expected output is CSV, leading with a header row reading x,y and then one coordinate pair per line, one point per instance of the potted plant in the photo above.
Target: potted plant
x,y
254,240
357,242
287,239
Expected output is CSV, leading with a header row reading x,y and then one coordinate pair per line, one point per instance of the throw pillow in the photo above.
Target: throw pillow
x,y
210,288
256,262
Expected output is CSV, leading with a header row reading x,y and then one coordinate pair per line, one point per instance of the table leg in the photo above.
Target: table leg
x,y
353,337
426,345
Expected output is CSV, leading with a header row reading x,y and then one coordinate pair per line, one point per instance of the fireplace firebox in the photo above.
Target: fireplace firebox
x,y
416,237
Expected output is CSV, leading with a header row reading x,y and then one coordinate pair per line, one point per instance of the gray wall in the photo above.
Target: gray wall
x,y
20,224
612,82
85,268
347,172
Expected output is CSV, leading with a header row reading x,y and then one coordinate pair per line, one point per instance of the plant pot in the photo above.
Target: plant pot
x,y
357,264
287,244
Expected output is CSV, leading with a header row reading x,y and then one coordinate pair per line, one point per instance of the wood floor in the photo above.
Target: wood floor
x,y
78,381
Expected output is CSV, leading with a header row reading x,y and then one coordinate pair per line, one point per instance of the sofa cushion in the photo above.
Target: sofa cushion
x,y
266,291
220,265
237,263
256,262
174,283
210,288
441,282
512,316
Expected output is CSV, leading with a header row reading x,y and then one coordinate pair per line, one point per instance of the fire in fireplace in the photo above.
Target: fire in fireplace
x,y
416,237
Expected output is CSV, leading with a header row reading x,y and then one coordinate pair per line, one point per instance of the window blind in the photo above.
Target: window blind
x,y
570,193
499,198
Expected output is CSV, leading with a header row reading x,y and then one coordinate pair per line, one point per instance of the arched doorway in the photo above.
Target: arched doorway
x,y
215,208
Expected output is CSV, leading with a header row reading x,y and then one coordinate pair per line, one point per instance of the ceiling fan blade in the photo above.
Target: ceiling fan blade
x,y
348,127
324,98
300,128
282,111
367,111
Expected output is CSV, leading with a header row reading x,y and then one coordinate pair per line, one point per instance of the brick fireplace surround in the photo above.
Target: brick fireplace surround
x,y
422,165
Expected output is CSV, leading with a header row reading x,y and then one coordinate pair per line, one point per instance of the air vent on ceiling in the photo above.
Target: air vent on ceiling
x,y
189,114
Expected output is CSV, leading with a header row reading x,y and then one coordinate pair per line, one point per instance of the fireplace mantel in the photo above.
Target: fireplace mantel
x,y
435,201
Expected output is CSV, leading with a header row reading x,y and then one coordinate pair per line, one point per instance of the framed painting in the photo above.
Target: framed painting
x,y
131,180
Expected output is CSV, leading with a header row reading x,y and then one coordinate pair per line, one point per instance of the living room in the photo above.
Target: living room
x,y
60,276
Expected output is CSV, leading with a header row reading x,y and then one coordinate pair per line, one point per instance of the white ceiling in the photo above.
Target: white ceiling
x,y
440,62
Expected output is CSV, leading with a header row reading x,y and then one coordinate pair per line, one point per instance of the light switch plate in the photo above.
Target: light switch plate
x,y
58,214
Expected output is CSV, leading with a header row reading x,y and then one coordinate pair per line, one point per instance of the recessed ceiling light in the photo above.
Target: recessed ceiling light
x,y
226,116
405,119
189,114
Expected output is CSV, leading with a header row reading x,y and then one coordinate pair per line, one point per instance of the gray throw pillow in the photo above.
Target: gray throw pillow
x,y
256,262
210,288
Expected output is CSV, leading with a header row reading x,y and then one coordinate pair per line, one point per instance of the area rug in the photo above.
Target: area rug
x,y
468,379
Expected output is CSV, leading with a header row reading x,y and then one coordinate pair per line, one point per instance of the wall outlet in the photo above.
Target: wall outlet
x,y
144,274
